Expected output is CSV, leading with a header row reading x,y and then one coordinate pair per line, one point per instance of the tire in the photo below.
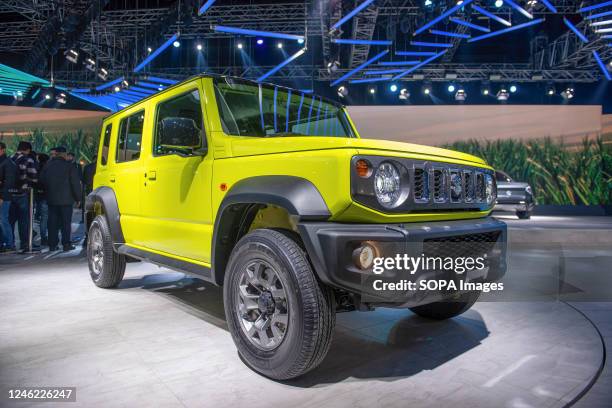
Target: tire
x,y
523,215
447,309
269,264
106,267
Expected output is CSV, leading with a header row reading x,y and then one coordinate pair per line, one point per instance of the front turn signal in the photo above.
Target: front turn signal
x,y
363,168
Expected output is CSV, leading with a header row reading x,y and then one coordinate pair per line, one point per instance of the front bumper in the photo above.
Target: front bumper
x,y
331,245
513,207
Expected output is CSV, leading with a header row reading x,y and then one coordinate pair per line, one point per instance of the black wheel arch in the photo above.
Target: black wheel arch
x,y
105,198
298,196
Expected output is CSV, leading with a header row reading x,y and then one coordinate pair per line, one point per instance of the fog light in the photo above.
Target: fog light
x,y
363,256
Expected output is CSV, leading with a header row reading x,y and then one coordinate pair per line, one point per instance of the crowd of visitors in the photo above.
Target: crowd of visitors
x,y
55,181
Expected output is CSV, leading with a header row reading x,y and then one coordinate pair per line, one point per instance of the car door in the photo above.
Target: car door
x,y
176,196
125,173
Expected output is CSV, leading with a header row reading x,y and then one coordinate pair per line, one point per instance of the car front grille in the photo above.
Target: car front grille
x,y
467,245
463,186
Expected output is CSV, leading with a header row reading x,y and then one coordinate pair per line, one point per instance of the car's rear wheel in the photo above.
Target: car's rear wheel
x,y
280,317
106,267
448,308
523,215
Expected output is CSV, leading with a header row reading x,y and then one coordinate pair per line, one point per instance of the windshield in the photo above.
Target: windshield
x,y
247,109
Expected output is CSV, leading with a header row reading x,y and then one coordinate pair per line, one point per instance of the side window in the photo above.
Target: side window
x,y
106,143
130,138
179,125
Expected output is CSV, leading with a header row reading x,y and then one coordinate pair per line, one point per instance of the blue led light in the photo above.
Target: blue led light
x,y
549,6
491,15
427,61
519,8
205,7
393,88
397,63
595,6
443,16
155,53
431,44
281,65
415,53
449,34
368,80
599,15
468,24
360,67
361,42
601,65
575,30
256,33
506,30
352,14
109,84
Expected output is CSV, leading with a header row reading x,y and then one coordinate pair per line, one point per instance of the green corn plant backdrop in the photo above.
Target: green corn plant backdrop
x,y
83,145
557,174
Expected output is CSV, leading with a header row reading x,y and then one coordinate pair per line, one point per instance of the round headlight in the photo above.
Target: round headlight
x,y
491,190
387,185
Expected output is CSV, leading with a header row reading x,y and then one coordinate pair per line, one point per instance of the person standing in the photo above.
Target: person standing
x,y
89,171
27,177
8,172
62,185
42,209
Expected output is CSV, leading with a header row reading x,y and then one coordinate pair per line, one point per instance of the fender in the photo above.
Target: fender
x,y
295,194
105,197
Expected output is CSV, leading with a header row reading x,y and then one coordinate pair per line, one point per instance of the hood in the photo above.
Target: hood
x,y
250,146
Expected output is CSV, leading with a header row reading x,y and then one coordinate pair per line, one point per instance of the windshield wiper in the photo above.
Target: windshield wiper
x,y
285,134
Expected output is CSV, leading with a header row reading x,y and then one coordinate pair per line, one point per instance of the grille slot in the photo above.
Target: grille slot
x,y
455,246
421,185
468,178
439,186
480,188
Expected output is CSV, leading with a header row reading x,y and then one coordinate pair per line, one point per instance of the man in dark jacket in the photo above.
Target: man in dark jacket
x,y
89,171
62,185
27,177
8,172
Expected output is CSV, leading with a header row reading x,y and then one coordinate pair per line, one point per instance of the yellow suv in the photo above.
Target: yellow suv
x,y
270,192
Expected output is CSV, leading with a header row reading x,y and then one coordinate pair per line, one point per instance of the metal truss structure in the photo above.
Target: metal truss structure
x,y
117,38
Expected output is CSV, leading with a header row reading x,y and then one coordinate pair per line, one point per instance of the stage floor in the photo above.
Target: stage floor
x,y
161,340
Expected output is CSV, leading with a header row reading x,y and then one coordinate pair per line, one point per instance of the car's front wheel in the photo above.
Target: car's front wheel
x,y
280,317
106,267
523,215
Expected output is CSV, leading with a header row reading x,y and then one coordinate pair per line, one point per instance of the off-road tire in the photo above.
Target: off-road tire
x,y
523,215
311,307
449,308
113,264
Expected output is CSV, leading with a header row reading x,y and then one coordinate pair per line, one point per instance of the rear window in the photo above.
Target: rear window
x,y
106,143
130,138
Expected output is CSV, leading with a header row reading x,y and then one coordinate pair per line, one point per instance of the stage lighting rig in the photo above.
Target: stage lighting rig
x,y
72,56
460,95
343,91
332,66
90,64
404,94
568,93
102,74
503,94
18,96
61,98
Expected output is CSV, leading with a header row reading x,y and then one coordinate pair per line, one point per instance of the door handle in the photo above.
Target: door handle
x,y
112,178
152,175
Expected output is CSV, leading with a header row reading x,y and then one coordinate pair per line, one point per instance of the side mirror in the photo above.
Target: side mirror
x,y
181,133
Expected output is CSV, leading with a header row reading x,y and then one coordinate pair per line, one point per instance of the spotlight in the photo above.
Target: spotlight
x,y
343,91
176,44
103,74
568,93
300,41
461,95
239,45
460,2
199,47
149,50
125,83
404,94
499,3
531,4
18,96
90,64
259,41
117,89
61,98
72,56
428,3
332,66
550,90
485,91
393,88
451,88
485,88
47,96
503,95
513,88
372,91
279,45
426,89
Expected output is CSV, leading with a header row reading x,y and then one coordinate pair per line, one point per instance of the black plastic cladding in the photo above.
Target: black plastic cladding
x,y
435,196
